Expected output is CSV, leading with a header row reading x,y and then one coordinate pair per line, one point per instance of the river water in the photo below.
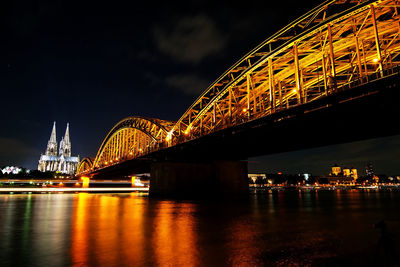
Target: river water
x,y
276,228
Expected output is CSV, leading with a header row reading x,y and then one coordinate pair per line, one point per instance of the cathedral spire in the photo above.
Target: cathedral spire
x,y
53,138
65,145
52,144
66,137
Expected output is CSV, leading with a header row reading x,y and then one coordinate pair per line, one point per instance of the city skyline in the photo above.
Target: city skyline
x,y
314,161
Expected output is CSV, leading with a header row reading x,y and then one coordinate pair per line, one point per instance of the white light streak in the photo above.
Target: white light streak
x,y
67,189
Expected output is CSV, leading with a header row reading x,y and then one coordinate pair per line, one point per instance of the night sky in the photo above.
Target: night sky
x,y
94,63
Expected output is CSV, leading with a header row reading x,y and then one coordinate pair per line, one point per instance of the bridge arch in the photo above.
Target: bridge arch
x,y
336,45
85,165
132,137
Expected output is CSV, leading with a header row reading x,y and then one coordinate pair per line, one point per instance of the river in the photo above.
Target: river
x,y
271,229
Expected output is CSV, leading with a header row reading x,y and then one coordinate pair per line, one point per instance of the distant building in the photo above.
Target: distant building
x,y
354,173
346,172
369,170
336,170
11,169
257,176
340,176
62,161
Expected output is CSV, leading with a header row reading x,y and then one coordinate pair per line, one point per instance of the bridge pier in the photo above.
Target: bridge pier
x,y
198,179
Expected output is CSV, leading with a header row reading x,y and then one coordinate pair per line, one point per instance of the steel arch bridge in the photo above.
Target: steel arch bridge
x,y
132,137
334,47
85,165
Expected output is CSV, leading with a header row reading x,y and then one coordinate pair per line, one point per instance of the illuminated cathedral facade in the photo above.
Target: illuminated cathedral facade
x,y
58,160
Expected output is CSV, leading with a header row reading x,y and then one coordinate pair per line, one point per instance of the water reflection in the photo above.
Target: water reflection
x,y
174,236
27,220
276,228
244,249
113,230
34,229
80,230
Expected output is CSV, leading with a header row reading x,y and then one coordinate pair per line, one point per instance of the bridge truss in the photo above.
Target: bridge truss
x,y
335,46
85,165
131,137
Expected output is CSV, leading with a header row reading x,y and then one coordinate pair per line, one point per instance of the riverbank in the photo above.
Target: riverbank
x,y
324,187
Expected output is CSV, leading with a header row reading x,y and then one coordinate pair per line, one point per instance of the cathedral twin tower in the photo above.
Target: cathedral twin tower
x,y
58,161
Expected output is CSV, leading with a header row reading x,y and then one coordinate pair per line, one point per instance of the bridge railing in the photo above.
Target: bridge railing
x,y
370,78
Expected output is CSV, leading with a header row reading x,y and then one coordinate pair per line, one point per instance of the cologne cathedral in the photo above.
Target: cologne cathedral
x,y
61,161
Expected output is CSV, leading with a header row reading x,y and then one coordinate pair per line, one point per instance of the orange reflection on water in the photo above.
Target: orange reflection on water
x,y
134,225
113,230
80,230
107,231
174,237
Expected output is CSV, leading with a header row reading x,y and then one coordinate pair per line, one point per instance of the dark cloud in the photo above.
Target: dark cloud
x,y
191,39
152,79
15,152
189,84
147,56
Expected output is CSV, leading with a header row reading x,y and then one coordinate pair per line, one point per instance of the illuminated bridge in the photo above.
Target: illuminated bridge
x,y
330,76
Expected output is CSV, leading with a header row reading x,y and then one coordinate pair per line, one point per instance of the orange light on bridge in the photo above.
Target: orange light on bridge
x,y
375,60
245,109
187,131
116,159
130,153
169,136
133,180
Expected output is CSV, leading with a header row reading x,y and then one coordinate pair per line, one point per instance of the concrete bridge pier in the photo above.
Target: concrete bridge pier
x,y
188,179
